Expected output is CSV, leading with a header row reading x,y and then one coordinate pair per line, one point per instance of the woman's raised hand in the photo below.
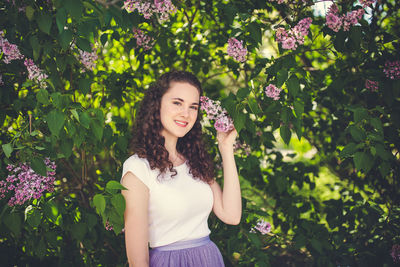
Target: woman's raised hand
x,y
226,139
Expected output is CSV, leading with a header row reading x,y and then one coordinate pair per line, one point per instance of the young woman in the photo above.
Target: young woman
x,y
170,180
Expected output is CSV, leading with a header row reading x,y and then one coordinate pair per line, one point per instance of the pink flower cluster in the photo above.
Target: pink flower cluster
x,y
88,59
335,21
109,227
262,226
10,51
34,73
142,39
295,36
214,111
395,253
26,184
236,49
148,8
366,3
371,85
272,91
392,69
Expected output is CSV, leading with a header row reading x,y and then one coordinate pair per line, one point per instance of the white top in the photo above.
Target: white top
x,y
178,207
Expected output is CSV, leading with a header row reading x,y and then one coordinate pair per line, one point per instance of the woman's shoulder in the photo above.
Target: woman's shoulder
x,y
136,160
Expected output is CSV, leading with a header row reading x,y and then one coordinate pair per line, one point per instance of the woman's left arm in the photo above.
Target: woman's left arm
x,y
227,202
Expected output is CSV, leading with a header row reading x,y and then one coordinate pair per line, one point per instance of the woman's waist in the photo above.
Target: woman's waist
x,y
184,244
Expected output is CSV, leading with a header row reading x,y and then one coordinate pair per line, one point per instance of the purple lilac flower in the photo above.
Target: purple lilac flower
x,y
236,49
215,112
273,92
366,3
142,39
10,51
88,59
243,146
24,183
392,69
148,8
262,226
395,253
108,226
335,21
34,73
291,38
371,85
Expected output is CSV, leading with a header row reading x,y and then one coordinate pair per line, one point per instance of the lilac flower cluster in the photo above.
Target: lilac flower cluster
x,y
26,184
395,253
214,111
371,85
335,21
88,59
392,69
243,146
34,73
10,51
262,226
366,3
236,49
293,37
148,8
142,39
272,91
109,227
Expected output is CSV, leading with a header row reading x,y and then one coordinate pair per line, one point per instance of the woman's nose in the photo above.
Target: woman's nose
x,y
185,111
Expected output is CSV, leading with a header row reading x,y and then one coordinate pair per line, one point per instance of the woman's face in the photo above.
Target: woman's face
x,y
179,108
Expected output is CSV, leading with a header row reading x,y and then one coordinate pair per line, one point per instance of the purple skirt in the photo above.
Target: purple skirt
x,y
191,253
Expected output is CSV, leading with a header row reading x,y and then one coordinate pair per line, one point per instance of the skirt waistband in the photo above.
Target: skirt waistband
x,y
184,244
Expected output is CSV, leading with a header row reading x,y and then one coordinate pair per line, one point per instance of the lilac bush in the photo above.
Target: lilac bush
x,y
236,49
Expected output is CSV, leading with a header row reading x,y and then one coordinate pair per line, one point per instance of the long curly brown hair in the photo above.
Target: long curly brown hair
x,y
148,142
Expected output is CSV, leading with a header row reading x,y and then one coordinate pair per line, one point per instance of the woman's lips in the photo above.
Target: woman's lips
x,y
181,123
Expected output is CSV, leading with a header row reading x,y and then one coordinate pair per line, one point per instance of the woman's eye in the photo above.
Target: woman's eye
x,y
194,107
177,103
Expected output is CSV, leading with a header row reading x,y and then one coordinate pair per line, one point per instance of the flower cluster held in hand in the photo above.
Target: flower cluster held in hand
x,y
272,91
262,226
236,49
392,69
335,21
214,111
10,51
24,183
148,8
291,38
142,39
371,85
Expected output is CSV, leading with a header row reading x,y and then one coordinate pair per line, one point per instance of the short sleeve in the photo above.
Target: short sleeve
x,y
138,167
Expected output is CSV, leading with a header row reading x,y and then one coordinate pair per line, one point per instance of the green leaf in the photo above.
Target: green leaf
x,y
7,149
377,124
384,168
61,19
285,133
34,42
65,38
78,230
40,249
51,212
254,106
74,7
242,93
357,133
75,114
281,77
39,166
363,161
255,239
44,22
118,201
33,217
13,222
42,96
348,150
360,114
85,119
316,244
55,121
29,12
100,203
114,185
239,120
84,85
83,44
255,32
97,129
298,108
66,147
382,152
293,85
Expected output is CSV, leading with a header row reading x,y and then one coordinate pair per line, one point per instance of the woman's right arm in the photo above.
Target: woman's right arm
x,y
136,220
